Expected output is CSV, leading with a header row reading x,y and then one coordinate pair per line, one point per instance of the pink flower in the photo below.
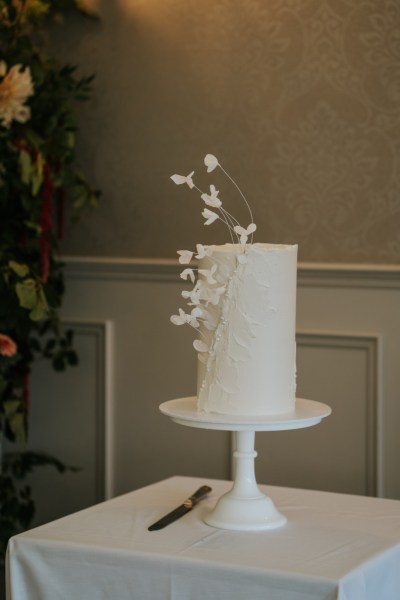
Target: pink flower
x,y
7,346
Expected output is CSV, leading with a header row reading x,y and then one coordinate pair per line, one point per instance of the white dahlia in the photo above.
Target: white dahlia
x,y
15,88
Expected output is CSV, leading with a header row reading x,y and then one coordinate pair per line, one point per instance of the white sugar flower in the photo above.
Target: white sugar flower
x,y
210,320
179,319
195,294
212,198
212,295
180,179
244,233
15,89
211,162
210,216
188,273
183,318
185,256
192,318
209,274
203,251
200,346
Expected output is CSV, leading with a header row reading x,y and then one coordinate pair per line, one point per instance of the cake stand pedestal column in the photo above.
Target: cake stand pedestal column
x,y
245,507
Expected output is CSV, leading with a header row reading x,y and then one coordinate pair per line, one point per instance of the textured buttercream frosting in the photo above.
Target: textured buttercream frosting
x,y
250,368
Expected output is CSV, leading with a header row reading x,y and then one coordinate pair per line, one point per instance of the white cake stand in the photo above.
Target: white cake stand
x,y
245,507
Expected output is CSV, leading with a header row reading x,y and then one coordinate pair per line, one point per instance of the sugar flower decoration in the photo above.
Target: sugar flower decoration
x,y
15,88
207,290
244,233
188,273
211,162
210,216
212,198
185,256
179,319
200,346
183,317
180,179
209,274
202,251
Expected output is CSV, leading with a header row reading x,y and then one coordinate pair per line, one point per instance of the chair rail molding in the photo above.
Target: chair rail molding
x,y
308,274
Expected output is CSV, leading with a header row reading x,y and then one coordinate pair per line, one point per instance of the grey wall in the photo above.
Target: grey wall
x,y
298,99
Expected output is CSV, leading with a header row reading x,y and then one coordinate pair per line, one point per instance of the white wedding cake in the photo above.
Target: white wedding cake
x,y
250,367
243,306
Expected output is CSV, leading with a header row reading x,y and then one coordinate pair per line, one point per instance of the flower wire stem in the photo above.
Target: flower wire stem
x,y
240,192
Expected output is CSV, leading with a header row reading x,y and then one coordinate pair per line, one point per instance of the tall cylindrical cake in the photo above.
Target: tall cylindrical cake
x,y
249,330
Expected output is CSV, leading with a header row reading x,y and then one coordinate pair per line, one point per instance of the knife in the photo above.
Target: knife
x,y
182,509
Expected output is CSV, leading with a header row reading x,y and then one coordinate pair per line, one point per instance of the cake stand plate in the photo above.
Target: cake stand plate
x,y
245,507
305,414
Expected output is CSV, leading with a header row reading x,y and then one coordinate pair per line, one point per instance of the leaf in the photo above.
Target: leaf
x,y
15,418
27,294
41,308
34,226
25,164
20,269
58,362
36,182
72,358
50,345
31,296
17,426
11,407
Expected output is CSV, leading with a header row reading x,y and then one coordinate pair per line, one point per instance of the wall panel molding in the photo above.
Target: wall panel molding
x,y
101,333
370,345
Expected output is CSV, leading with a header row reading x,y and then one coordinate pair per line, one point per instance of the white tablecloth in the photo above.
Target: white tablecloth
x,y
334,547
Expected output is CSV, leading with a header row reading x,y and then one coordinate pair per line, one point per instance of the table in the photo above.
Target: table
x,y
333,547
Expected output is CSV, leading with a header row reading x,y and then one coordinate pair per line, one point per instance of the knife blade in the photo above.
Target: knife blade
x,y
182,509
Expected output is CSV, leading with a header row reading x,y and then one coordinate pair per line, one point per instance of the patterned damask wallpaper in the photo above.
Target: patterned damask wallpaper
x,y
299,100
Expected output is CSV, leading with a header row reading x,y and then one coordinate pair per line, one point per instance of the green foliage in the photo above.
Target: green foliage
x,y
17,505
38,178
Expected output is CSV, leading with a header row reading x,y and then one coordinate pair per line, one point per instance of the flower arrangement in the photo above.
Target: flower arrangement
x,y
38,179
207,288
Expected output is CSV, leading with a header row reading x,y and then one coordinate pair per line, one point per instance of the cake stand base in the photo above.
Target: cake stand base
x,y
245,507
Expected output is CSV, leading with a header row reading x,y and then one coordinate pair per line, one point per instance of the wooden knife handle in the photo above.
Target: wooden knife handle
x,y
201,492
